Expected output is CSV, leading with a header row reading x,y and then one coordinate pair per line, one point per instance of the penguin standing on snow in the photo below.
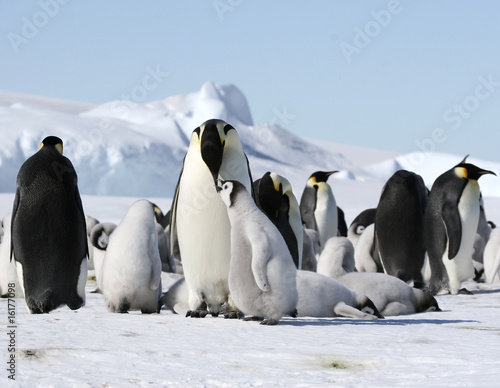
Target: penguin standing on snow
x,y
8,273
274,196
131,271
318,206
199,225
451,221
49,239
399,226
262,276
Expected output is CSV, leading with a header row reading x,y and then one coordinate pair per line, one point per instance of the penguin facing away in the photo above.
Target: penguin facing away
x,y
49,240
262,276
131,272
337,258
199,224
274,196
318,206
399,226
451,222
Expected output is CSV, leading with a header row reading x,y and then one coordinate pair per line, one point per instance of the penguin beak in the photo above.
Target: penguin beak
x,y
484,172
331,172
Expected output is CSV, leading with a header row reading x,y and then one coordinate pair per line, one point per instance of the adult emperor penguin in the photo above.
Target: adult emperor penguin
x,y
8,274
318,206
49,240
262,276
200,225
451,221
131,271
274,196
399,226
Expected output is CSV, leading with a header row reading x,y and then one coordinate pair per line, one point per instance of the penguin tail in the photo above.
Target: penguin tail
x,y
41,304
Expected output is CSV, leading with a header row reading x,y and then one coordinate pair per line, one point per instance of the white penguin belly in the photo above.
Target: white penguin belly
x,y
326,215
461,268
203,232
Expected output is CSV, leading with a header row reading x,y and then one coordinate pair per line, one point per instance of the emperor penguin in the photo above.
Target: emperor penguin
x,y
337,258
8,276
492,257
262,276
274,196
399,226
318,206
391,295
322,296
451,221
131,271
99,239
200,226
359,224
366,257
90,222
49,239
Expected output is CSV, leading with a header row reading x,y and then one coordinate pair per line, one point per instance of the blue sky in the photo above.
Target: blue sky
x,y
394,75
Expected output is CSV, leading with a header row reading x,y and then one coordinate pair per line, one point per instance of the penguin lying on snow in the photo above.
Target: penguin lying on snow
x,y
451,222
391,295
49,239
131,271
262,273
199,222
322,296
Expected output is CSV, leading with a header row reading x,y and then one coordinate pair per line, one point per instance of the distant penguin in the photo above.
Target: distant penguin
x,y
49,240
337,258
99,240
391,295
162,219
482,237
309,257
318,206
322,296
8,273
199,222
358,226
366,253
167,260
131,271
399,226
90,222
275,198
451,222
262,274
492,257
342,225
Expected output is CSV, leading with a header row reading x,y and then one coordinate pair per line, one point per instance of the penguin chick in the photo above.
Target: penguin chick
x,y
337,258
262,273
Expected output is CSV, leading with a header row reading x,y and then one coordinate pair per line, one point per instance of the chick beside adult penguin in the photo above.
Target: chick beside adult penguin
x,y
451,221
49,239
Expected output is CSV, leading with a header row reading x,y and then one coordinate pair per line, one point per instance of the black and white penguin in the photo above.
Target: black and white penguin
x,y
318,206
274,196
451,221
99,240
262,276
199,224
359,224
399,226
8,273
49,239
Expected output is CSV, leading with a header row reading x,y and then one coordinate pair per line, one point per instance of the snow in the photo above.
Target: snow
x,y
123,157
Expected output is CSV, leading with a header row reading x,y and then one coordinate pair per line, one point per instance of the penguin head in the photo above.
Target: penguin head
x,y
53,141
470,171
319,177
229,191
214,137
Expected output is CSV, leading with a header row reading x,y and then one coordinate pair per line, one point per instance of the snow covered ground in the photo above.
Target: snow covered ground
x,y
140,158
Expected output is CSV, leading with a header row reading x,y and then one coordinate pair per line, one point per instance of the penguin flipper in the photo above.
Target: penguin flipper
x,y
453,225
154,257
260,258
79,206
174,243
307,207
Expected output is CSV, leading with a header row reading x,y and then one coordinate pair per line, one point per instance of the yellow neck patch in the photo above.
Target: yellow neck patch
x,y
461,172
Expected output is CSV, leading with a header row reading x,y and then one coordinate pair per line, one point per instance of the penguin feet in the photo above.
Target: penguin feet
x,y
464,291
251,319
233,315
270,322
197,313
294,313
